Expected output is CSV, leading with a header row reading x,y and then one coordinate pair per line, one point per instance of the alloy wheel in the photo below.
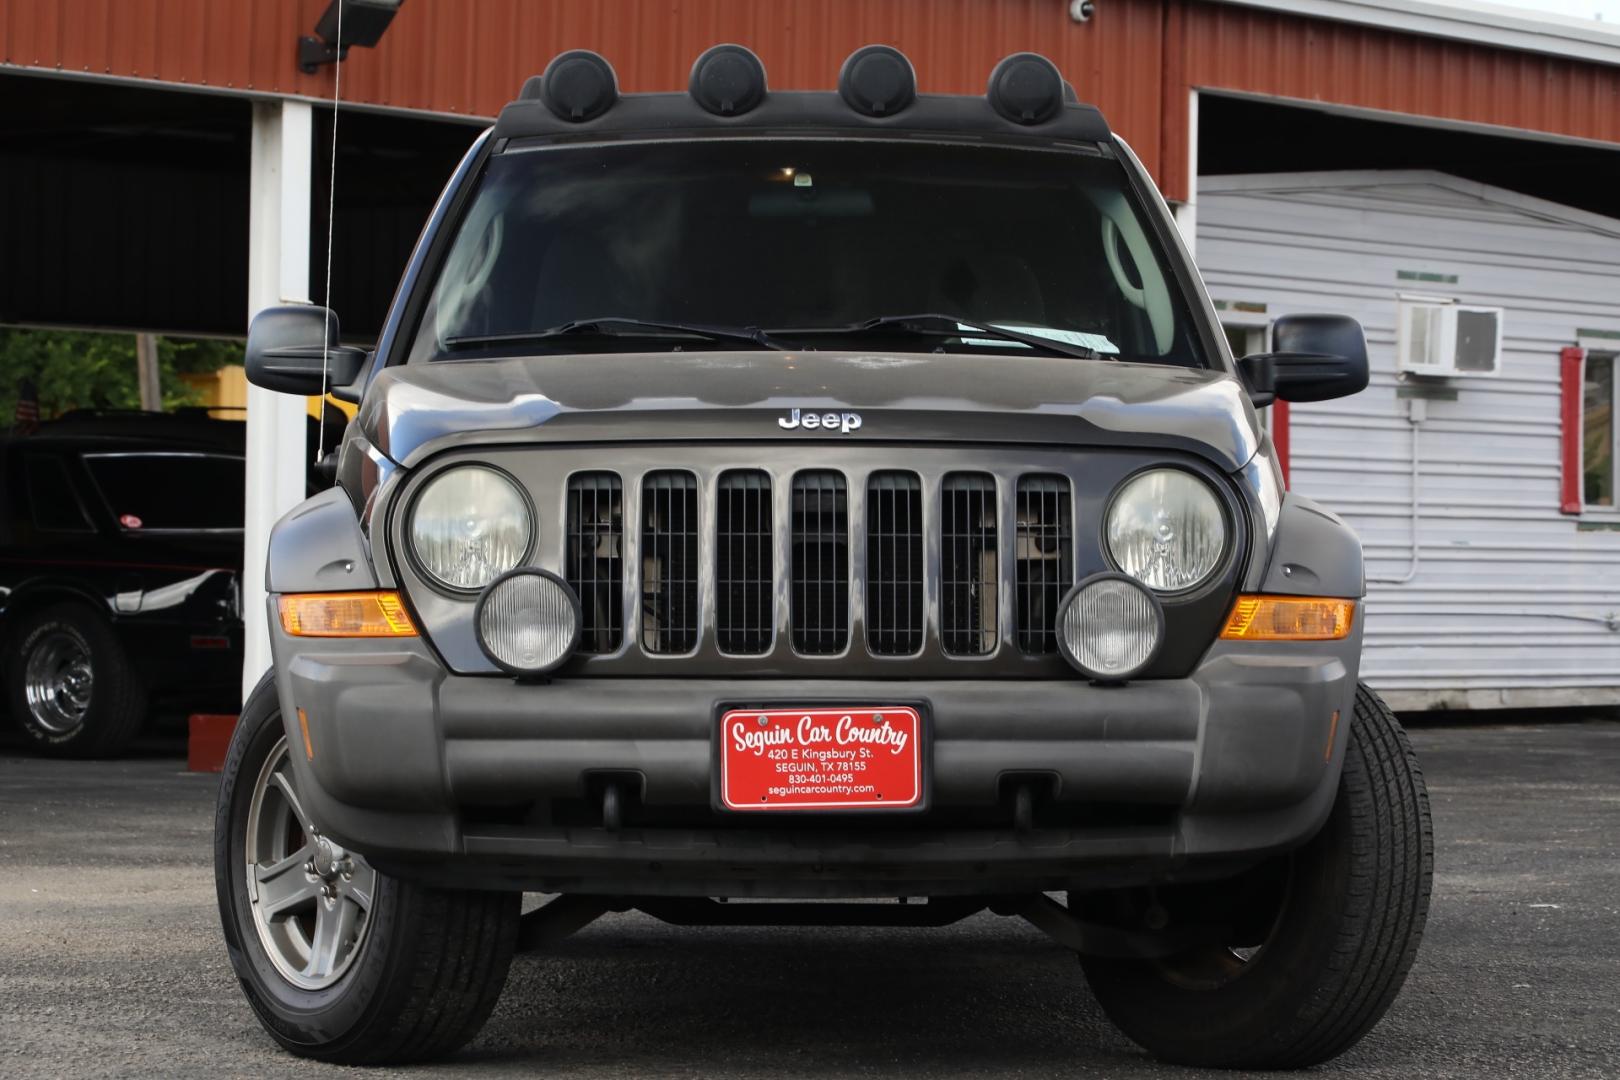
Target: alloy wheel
x,y
310,899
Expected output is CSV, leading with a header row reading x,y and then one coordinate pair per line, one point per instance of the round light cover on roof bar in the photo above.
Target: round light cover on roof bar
x,y
1026,88
877,80
727,80
579,85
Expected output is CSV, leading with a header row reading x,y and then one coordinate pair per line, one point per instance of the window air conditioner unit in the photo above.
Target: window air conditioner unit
x,y
1445,338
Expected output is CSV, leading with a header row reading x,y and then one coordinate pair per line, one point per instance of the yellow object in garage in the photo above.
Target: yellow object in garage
x,y
227,389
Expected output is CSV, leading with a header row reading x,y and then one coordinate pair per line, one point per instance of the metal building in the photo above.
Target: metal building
x,y
164,163
1491,527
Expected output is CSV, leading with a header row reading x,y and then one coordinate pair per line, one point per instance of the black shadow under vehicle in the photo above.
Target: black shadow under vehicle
x,y
811,496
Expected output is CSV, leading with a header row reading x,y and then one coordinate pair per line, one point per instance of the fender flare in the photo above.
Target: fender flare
x,y
317,546
1314,553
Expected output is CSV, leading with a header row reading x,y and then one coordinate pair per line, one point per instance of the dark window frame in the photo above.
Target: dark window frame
x,y
186,530
32,458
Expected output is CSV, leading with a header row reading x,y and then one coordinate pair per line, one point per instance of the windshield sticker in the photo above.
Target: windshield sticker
x,y
1095,342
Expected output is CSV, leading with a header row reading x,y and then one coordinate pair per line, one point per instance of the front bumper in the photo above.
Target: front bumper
x,y
480,781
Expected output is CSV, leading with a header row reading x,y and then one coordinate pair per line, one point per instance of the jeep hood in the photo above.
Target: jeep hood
x,y
416,410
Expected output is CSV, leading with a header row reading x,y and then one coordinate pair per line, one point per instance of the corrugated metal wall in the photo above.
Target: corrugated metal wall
x,y
471,56
1137,59
1230,47
1505,580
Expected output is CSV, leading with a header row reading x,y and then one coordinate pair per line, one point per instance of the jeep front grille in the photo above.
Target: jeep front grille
x,y
897,523
669,562
894,564
593,562
968,578
1043,551
820,598
745,596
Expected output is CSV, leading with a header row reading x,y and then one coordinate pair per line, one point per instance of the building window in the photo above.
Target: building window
x,y
1598,430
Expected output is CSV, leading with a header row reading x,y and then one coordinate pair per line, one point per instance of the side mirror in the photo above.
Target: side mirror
x,y
1312,358
285,350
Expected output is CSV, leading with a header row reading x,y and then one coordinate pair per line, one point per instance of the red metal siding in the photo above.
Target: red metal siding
x,y
1227,47
1137,59
471,56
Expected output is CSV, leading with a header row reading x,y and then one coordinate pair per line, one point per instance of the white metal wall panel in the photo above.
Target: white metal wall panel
x,y
1512,600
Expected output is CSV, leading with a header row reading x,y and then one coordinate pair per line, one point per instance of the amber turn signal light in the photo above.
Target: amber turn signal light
x,y
345,614
1289,618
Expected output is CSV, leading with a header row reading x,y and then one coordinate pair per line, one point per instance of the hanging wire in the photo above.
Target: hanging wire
x,y
331,214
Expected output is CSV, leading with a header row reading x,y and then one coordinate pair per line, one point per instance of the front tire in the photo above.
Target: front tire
x,y
342,963
1332,951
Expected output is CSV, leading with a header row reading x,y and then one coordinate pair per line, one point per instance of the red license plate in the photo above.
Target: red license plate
x,y
821,759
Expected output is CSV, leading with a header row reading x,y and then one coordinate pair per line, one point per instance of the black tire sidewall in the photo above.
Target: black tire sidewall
x,y
1157,1011
110,670
296,1017
1313,990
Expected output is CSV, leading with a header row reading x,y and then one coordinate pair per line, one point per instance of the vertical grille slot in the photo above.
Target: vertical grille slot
x,y
968,584
669,562
1043,553
820,538
744,587
894,564
594,558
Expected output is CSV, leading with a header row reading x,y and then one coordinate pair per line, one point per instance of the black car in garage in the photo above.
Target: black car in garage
x,y
120,566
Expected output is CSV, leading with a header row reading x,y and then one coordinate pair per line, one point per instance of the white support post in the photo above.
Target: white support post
x,y
1187,212
278,273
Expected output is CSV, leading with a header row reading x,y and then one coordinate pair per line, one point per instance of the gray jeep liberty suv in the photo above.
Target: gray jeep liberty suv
x,y
759,499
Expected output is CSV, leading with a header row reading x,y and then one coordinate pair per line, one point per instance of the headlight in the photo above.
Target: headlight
x,y
469,526
528,622
1166,530
1110,627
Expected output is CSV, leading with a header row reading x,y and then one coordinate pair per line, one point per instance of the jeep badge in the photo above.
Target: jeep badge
x,y
844,423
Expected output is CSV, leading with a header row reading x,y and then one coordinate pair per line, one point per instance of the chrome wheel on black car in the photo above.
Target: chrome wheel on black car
x,y
339,961
72,690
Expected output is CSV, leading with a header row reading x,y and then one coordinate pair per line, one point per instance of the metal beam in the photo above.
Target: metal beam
x,y
702,911
278,273
148,375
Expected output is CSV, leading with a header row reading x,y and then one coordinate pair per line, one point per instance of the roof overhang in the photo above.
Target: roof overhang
x,y
1285,182
1473,21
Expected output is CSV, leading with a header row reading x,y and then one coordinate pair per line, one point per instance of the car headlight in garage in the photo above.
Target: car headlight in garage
x,y
528,622
1109,627
1166,529
469,526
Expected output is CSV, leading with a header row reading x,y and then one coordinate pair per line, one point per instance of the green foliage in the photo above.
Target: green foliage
x,y
80,369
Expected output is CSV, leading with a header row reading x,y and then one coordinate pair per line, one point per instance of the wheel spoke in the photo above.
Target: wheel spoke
x,y
311,907
334,926
284,785
362,886
284,885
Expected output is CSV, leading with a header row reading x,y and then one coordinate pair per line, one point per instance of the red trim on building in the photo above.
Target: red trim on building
x,y
1281,437
1571,363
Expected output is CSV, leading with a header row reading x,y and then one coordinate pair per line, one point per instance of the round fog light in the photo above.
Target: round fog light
x,y
528,621
1110,627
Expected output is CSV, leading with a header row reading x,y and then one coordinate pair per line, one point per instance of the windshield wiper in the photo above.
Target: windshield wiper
x,y
620,326
933,324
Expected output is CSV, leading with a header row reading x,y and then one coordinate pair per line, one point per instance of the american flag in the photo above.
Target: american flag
x,y
26,420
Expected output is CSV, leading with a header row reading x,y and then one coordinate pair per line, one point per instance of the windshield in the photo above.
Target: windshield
x,y
806,240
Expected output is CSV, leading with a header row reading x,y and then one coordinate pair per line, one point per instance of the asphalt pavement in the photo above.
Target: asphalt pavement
x,y
111,962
